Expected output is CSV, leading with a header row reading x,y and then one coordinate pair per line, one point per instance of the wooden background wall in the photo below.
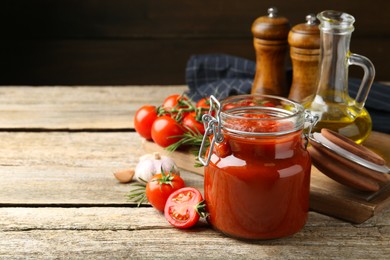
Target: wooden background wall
x,y
116,42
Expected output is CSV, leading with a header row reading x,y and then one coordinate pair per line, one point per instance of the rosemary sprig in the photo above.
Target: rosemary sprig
x,y
138,193
190,137
195,152
178,111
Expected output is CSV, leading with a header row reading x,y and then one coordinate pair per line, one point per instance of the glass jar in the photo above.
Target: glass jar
x,y
257,168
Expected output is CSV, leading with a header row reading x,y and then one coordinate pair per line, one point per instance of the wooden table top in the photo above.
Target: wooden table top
x,y
58,198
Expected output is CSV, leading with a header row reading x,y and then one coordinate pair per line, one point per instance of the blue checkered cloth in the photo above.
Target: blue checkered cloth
x,y
219,75
224,75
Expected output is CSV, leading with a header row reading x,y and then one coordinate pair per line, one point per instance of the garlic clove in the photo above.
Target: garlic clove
x,y
124,176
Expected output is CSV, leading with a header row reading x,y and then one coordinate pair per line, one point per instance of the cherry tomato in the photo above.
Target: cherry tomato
x,y
160,187
183,207
175,102
143,120
163,130
204,103
189,121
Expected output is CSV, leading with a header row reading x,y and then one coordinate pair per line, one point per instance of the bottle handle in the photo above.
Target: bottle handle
x,y
368,77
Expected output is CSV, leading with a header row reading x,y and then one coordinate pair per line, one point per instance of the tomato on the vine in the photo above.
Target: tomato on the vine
x,y
204,106
204,103
176,102
190,121
160,187
184,207
164,129
173,101
143,120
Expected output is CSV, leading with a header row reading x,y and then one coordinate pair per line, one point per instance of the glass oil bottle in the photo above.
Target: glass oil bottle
x,y
336,109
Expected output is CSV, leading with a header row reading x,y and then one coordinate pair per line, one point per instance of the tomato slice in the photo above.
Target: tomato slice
x,y
182,207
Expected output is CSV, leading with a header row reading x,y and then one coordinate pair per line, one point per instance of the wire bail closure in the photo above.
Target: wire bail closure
x,y
312,120
213,127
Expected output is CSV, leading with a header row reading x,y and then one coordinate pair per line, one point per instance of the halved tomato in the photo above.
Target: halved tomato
x,y
184,207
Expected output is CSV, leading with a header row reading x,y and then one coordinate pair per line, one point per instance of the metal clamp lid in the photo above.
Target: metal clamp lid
x,y
213,126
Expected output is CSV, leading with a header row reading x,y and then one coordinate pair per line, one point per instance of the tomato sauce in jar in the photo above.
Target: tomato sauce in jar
x,y
257,176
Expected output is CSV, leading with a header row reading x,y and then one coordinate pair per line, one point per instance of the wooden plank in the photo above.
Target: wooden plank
x,y
77,108
380,144
143,232
38,168
326,195
377,142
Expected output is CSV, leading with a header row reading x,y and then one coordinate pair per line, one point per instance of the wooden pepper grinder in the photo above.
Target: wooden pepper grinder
x,y
304,40
270,42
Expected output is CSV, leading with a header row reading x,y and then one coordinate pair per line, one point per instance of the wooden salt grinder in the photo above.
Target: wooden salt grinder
x,y
270,42
304,40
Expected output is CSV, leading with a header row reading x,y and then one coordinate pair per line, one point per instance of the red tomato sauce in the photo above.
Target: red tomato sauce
x,y
260,190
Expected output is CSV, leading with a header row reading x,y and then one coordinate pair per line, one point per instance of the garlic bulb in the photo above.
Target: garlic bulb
x,y
151,164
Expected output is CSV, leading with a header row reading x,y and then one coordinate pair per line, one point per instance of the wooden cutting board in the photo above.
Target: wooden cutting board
x,y
326,195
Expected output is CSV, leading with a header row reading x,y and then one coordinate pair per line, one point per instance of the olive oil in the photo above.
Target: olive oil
x,y
356,127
